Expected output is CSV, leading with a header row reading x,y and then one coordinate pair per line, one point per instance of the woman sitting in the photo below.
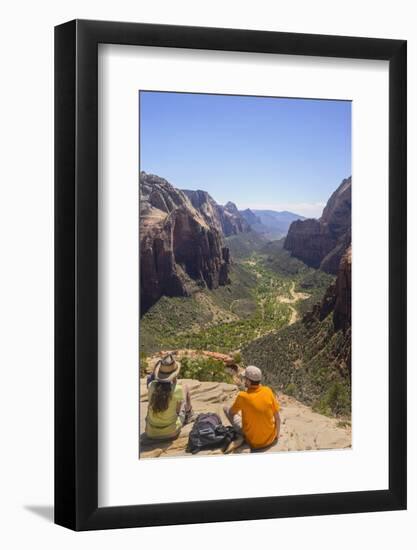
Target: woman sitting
x,y
169,402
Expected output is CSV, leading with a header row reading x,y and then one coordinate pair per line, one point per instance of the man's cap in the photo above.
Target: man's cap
x,y
253,374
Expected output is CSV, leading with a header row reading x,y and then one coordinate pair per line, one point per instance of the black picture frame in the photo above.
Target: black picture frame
x,y
76,272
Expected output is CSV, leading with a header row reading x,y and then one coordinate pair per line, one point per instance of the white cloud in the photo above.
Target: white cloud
x,y
307,209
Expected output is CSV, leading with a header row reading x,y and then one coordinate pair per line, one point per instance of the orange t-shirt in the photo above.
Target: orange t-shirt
x,y
258,405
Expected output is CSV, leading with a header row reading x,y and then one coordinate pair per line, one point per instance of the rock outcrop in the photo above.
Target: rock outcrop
x,y
342,316
337,299
181,248
321,243
250,217
301,428
225,218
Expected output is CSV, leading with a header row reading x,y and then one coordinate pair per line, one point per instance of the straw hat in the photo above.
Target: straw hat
x,y
167,369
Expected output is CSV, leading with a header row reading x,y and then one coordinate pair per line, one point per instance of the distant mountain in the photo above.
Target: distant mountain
x,y
250,216
270,223
322,243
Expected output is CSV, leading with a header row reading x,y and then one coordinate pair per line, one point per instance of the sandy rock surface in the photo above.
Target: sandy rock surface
x,y
301,428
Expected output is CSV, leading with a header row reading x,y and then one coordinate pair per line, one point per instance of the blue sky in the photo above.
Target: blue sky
x,y
265,153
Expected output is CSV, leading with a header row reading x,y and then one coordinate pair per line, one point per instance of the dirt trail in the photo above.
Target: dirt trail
x,y
294,316
301,428
295,297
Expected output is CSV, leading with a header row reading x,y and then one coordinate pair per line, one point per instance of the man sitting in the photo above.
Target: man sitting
x,y
259,421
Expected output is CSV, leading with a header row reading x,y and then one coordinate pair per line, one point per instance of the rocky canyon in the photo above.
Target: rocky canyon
x,y
321,243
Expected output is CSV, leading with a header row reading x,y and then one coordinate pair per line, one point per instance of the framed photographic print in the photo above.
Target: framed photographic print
x,y
230,275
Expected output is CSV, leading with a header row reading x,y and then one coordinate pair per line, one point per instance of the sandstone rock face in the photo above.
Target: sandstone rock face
x,y
321,243
225,218
342,316
231,208
179,249
309,241
337,299
206,206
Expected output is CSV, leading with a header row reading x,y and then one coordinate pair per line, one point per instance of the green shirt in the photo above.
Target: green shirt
x,y
167,423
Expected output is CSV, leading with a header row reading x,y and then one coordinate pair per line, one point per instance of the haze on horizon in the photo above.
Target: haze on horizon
x,y
261,153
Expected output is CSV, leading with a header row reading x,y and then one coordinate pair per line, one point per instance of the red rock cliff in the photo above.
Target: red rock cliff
x,y
321,243
179,249
338,297
226,219
342,316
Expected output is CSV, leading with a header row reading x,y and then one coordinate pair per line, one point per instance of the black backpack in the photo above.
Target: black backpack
x,y
208,432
